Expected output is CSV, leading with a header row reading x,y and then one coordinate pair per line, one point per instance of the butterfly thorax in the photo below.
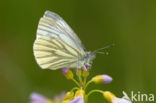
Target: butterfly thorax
x,y
86,60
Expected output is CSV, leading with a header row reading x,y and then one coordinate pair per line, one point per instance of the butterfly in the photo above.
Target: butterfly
x,y
57,45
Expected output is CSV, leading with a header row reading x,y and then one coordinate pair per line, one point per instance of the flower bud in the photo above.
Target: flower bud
x,y
80,93
85,73
67,73
78,72
110,97
79,97
69,96
104,79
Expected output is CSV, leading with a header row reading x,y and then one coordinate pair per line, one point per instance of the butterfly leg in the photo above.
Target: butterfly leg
x,y
84,67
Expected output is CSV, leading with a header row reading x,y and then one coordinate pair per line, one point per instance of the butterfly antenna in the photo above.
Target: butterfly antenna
x,y
106,47
105,53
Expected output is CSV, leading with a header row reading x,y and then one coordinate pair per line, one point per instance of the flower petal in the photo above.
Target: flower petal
x,y
77,100
122,100
37,98
107,79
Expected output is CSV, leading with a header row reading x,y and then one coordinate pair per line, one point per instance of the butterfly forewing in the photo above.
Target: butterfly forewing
x,y
53,25
64,27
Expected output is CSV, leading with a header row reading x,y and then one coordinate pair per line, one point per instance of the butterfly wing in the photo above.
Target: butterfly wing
x,y
53,25
53,53
56,45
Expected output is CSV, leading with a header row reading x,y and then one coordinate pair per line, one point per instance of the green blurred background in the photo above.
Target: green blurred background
x,y
130,24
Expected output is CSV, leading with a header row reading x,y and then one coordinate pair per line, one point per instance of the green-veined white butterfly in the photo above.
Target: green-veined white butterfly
x,y
57,46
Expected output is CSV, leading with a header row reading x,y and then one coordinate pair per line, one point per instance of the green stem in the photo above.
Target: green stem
x,y
75,82
85,78
85,99
93,91
88,84
75,88
79,74
80,77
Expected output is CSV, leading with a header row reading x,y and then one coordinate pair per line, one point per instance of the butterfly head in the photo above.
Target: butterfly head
x,y
90,56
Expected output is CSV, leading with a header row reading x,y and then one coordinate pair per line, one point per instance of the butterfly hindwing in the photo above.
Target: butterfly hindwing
x,y
53,53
